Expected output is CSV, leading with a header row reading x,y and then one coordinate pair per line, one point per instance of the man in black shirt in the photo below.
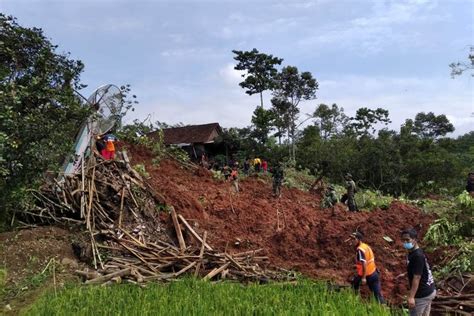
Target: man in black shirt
x,y
421,283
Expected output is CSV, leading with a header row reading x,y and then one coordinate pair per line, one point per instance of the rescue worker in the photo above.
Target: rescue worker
x,y
367,272
256,164
246,166
420,279
277,176
330,197
264,166
109,151
100,144
234,177
349,196
470,183
226,172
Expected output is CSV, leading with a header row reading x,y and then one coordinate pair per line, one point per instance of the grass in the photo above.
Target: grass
x,y
192,297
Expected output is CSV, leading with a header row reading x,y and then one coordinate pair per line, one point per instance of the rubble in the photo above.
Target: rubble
x,y
125,238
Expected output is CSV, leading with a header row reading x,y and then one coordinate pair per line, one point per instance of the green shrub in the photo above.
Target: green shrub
x,y
371,200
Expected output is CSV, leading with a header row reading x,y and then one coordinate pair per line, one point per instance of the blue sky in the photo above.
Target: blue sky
x,y
177,54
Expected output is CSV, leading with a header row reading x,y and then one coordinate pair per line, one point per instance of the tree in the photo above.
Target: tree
x,y
331,120
429,125
366,119
40,113
458,68
291,88
260,71
263,123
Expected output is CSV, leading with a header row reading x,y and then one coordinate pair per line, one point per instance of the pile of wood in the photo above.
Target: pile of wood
x,y
113,206
457,297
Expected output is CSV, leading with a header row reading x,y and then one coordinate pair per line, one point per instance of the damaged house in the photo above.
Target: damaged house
x,y
195,139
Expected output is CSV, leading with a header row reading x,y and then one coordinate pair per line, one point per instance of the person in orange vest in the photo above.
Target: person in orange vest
x,y
109,150
367,272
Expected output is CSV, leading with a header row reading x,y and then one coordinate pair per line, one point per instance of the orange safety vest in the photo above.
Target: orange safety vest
x,y
369,260
110,146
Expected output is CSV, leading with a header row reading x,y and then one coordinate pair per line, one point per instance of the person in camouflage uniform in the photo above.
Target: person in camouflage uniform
x,y
277,176
349,196
330,197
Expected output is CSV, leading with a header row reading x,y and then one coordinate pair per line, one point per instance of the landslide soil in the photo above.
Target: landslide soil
x,y
293,230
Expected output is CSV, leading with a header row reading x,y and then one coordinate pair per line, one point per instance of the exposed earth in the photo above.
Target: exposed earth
x,y
293,231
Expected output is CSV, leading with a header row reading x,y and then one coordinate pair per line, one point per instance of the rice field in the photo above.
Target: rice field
x,y
195,297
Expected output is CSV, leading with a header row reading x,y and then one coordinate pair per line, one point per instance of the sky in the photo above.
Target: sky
x,y
177,54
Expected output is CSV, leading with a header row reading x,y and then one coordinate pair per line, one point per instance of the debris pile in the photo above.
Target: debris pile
x,y
457,297
125,238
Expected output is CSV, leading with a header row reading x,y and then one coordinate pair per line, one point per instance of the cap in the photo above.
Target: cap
x,y
357,235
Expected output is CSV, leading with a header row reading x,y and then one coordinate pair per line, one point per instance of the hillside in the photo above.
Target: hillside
x,y
293,231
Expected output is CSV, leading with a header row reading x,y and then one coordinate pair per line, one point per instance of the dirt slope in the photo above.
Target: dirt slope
x,y
293,231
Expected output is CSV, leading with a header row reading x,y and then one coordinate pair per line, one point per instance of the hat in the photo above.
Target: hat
x,y
357,235
348,175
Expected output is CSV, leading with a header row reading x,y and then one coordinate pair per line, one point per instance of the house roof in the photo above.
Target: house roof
x,y
191,134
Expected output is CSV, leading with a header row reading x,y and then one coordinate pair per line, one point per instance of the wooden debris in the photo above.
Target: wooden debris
x,y
116,210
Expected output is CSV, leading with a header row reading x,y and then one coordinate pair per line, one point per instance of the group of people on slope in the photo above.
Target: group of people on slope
x,y
422,289
330,196
232,174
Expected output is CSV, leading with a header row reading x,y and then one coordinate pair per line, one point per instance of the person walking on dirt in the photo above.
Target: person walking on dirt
x,y
277,176
330,197
234,177
226,172
349,196
420,279
470,184
367,272
257,164
246,166
264,166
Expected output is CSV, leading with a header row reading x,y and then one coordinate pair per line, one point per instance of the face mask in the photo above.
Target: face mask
x,y
408,245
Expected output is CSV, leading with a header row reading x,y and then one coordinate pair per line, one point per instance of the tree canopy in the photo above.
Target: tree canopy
x,y
40,112
259,71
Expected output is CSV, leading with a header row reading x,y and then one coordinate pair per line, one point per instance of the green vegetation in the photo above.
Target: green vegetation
x,y
3,278
191,297
454,231
371,200
141,169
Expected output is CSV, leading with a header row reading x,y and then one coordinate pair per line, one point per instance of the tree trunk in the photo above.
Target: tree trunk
x,y
261,99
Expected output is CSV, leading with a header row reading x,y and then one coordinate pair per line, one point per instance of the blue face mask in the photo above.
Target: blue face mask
x,y
408,245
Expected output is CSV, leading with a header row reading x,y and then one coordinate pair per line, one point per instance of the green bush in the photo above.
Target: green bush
x,y
371,200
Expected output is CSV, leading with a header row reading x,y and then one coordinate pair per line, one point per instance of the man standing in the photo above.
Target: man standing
x,y
470,184
277,176
367,272
420,279
234,177
256,164
349,196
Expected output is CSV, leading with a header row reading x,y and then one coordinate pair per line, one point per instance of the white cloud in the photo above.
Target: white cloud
x,y
387,25
404,97
231,76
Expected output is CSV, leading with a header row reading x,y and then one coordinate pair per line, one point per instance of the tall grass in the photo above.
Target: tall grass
x,y
191,297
